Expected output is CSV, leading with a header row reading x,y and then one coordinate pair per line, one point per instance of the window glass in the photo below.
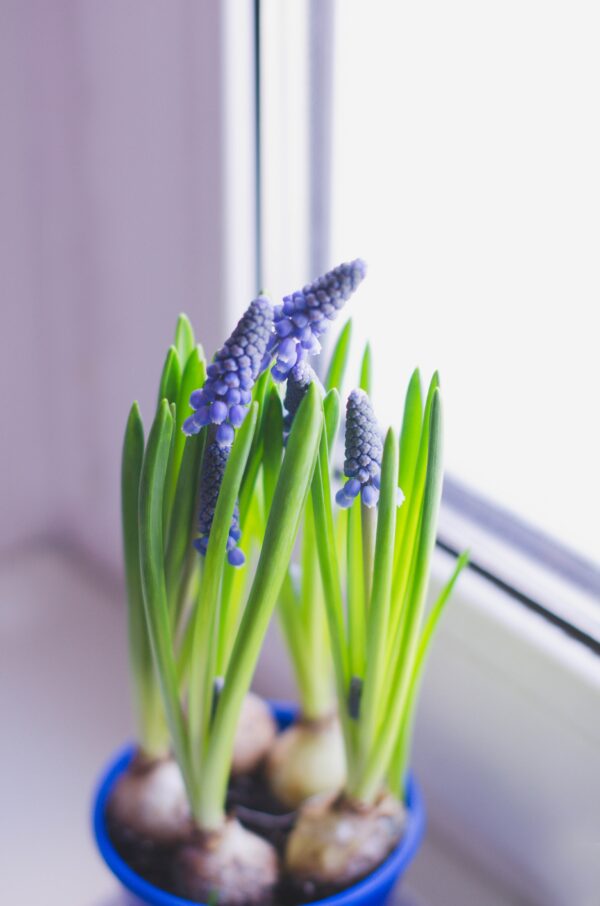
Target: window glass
x,y
465,171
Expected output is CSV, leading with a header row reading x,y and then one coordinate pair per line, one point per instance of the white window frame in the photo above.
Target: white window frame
x,y
508,737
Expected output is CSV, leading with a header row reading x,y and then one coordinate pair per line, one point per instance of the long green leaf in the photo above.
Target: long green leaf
x,y
381,752
282,525
403,745
152,487
339,359
204,647
272,444
184,338
331,410
410,437
410,514
181,528
194,375
247,494
328,562
148,709
366,370
170,378
379,609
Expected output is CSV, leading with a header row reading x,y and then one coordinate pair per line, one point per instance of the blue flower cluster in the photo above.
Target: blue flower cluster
x,y
364,450
225,397
305,316
299,380
213,469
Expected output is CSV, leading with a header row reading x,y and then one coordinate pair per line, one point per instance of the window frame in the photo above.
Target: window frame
x,y
524,622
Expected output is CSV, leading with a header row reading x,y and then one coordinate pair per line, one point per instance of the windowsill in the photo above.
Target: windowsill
x,y
64,651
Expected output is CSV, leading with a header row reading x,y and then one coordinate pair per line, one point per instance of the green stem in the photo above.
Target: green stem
x,y
357,631
369,528
379,609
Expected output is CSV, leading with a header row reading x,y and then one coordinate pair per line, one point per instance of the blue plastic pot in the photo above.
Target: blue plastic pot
x,y
371,891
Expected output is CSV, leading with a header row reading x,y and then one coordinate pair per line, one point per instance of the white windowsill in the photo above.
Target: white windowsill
x,y
65,708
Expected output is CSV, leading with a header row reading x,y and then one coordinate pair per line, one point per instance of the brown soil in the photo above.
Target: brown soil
x,y
250,799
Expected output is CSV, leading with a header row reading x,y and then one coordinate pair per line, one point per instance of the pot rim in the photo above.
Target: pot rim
x,y
378,882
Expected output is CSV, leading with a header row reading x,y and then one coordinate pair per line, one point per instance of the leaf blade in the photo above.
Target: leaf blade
x,y
339,358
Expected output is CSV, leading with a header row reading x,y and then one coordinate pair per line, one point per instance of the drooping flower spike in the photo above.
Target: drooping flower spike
x,y
223,401
225,397
364,450
213,469
305,316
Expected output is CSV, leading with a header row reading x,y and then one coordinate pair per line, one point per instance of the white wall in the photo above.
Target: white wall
x,y
116,130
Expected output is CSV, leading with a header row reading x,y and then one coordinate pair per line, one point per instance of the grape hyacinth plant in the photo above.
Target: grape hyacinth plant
x,y
308,758
215,806
148,808
192,659
380,632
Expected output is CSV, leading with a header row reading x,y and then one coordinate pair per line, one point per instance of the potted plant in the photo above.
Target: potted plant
x,y
256,464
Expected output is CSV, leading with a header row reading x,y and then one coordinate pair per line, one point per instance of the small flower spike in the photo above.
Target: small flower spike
x,y
364,450
299,380
304,316
225,397
213,469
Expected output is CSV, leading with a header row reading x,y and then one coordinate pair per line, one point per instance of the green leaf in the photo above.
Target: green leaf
x,y
203,651
403,746
331,410
193,378
366,370
339,359
194,375
408,518
152,487
181,529
410,433
379,609
316,674
131,466
184,338
149,713
273,444
171,476
410,438
381,752
247,494
326,544
280,534
170,378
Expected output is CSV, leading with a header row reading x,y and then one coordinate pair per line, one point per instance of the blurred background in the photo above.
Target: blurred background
x,y
180,156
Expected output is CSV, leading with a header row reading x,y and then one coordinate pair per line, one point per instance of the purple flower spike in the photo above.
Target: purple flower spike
x,y
225,397
364,450
213,469
304,316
